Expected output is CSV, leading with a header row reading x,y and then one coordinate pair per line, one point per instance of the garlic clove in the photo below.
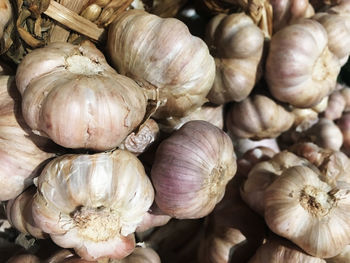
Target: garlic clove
x,y
191,170
114,196
309,212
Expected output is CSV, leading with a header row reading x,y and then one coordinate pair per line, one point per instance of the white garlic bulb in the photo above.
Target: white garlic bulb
x,y
278,250
70,94
236,44
309,212
93,203
338,30
300,68
263,174
162,55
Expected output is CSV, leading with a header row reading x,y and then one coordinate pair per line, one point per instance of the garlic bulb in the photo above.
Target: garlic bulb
x,y
338,30
300,68
344,125
258,117
278,250
93,203
164,58
287,11
333,165
236,44
73,96
336,105
233,232
191,170
309,212
209,113
19,214
263,174
21,152
326,134
244,145
5,15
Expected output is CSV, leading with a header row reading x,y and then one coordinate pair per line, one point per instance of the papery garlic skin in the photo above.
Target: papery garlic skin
x,y
191,170
21,152
258,117
5,15
336,105
338,31
19,214
138,142
73,96
343,257
279,250
236,44
244,145
93,203
309,212
162,55
300,68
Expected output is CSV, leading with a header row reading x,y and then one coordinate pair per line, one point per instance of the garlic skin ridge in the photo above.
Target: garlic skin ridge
x,y
99,219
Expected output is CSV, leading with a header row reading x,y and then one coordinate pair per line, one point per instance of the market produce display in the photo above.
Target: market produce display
x,y
196,131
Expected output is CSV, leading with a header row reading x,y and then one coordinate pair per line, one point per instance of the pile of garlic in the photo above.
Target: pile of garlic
x,y
212,132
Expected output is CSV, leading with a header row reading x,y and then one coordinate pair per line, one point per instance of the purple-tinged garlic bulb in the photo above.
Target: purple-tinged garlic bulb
x,y
22,153
336,105
191,170
236,44
258,117
19,214
300,68
73,96
308,211
93,203
162,56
